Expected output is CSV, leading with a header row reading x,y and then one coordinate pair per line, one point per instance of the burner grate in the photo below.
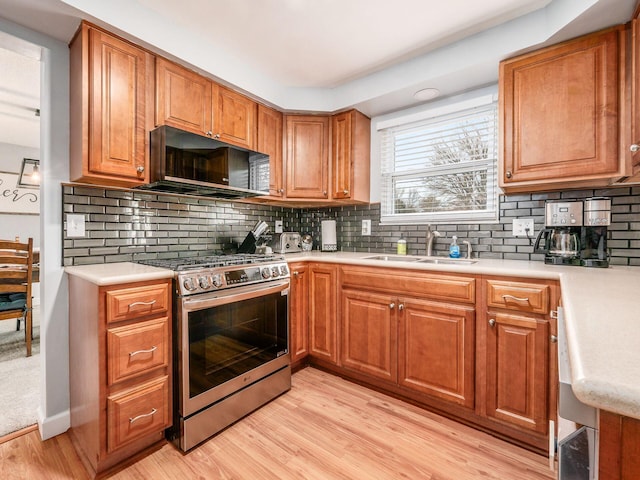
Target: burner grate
x,y
211,261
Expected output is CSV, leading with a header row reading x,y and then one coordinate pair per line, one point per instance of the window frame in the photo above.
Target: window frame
x,y
432,115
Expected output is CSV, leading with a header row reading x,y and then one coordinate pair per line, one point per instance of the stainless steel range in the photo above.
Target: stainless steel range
x,y
231,352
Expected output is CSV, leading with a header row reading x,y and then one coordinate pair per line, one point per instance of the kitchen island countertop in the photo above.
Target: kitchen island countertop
x,y
602,320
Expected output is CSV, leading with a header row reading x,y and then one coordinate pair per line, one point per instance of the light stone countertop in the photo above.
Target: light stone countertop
x,y
602,320
114,273
601,306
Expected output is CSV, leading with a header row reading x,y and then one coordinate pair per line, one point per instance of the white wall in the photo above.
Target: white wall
x,y
53,415
12,225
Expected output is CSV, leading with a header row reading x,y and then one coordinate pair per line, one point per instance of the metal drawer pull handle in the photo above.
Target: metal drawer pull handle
x,y
151,350
135,419
524,300
135,304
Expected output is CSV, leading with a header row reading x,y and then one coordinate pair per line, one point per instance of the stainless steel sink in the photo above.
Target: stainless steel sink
x,y
447,261
432,260
393,258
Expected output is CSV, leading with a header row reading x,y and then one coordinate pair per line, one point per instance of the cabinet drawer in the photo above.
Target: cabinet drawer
x,y
524,297
136,349
135,413
415,283
129,303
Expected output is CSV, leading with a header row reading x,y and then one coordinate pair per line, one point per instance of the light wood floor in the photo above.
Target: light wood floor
x,y
324,428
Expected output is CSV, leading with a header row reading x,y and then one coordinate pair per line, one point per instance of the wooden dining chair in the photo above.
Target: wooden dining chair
x,y
16,275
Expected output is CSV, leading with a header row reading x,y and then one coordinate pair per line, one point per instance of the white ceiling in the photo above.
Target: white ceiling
x,y
321,55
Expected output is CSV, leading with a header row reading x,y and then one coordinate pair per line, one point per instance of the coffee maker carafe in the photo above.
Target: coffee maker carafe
x,y
593,238
559,240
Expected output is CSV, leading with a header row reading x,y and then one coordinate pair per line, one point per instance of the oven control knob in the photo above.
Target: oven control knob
x,y
189,284
275,271
266,273
217,281
283,270
203,282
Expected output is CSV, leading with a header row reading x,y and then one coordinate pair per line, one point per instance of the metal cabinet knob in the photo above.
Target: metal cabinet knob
x,y
509,174
554,339
392,306
296,273
209,133
345,192
324,193
401,306
281,190
216,136
492,322
634,148
140,169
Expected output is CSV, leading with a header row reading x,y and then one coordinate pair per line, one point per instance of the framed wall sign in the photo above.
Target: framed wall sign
x,y
16,199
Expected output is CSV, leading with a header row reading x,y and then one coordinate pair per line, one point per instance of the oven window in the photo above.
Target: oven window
x,y
232,339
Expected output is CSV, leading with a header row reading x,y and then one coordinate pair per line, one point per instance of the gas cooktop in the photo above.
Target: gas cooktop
x,y
211,261
217,272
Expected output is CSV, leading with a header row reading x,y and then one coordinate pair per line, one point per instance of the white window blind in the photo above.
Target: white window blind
x,y
441,169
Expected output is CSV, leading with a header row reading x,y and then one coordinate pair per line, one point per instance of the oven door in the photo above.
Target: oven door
x,y
228,340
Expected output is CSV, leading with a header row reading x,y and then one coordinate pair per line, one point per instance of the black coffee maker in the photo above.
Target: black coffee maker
x,y
593,237
559,240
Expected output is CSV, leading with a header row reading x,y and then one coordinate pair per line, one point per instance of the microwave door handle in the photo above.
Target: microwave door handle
x,y
208,301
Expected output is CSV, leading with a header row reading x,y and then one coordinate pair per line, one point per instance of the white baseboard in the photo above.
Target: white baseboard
x,y
51,426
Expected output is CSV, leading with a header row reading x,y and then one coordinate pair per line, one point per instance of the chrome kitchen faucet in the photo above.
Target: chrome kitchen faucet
x,y
430,237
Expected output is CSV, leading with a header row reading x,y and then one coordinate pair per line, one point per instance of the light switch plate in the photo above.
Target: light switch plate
x,y
278,227
520,225
366,227
75,225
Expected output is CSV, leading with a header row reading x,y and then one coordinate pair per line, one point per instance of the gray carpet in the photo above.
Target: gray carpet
x,y
19,378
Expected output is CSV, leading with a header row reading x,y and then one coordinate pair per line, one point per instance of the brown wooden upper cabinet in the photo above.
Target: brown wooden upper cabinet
x,y
235,118
634,141
560,114
183,98
111,106
307,156
192,102
350,149
270,138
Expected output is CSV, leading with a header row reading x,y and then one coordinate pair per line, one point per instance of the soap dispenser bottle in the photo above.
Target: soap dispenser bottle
x,y
454,248
402,245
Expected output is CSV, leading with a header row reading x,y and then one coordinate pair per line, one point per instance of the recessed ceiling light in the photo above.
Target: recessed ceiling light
x,y
426,94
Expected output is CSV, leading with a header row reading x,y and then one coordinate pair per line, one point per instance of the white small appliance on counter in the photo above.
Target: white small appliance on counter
x,y
329,242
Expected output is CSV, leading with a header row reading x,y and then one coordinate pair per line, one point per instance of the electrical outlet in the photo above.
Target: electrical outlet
x,y
278,227
520,226
75,225
366,227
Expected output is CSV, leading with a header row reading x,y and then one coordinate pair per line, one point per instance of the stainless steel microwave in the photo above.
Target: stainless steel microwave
x,y
183,162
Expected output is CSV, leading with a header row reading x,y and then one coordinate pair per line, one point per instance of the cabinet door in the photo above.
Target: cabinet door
x,y
559,112
350,156
270,142
323,312
307,156
183,98
517,370
108,109
299,312
634,143
236,118
436,349
369,334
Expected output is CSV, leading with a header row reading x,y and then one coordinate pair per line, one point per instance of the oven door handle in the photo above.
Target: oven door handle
x,y
233,295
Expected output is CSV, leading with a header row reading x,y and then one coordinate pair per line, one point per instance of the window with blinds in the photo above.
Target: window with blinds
x,y
442,169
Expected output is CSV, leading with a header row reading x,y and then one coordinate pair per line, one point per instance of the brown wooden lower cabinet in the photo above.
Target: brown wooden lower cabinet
x,y
299,312
472,347
120,369
323,312
619,456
